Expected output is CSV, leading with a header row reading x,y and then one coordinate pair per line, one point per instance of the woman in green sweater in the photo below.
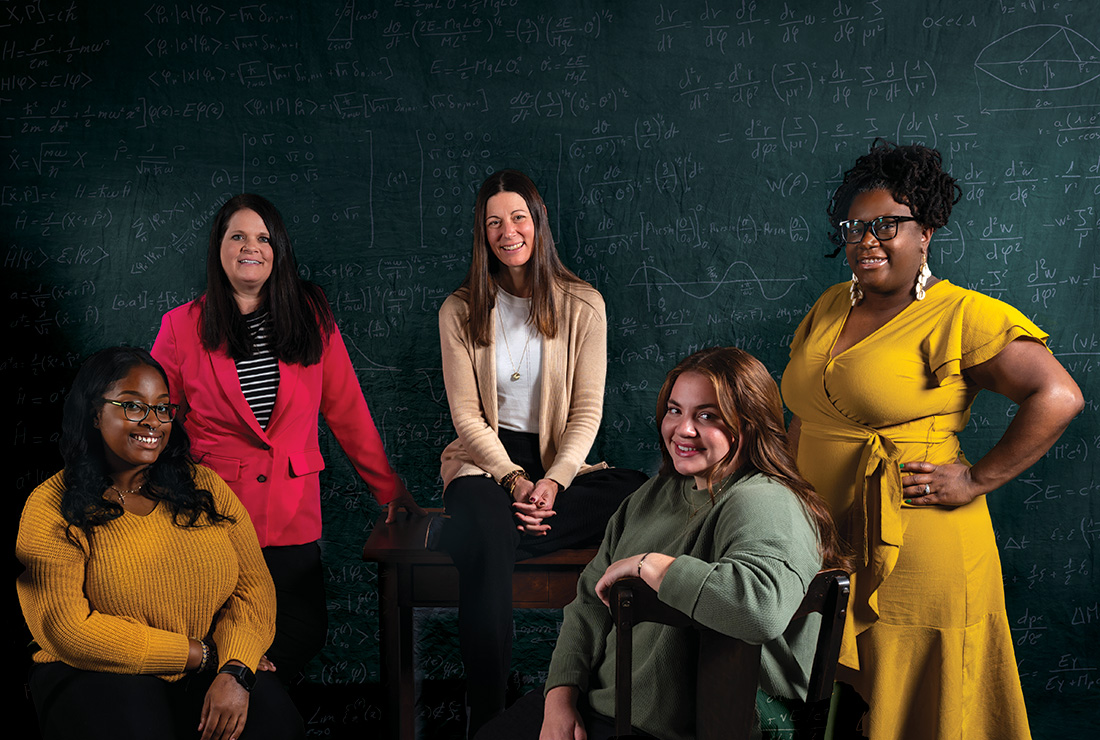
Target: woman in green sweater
x,y
728,532
144,589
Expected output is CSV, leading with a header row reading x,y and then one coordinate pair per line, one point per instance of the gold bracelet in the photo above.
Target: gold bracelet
x,y
508,482
512,488
508,478
642,561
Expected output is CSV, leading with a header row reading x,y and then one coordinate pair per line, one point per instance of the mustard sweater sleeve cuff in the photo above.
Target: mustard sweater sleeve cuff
x,y
240,644
165,653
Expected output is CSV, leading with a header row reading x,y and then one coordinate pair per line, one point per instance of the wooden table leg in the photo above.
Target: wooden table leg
x,y
545,582
396,653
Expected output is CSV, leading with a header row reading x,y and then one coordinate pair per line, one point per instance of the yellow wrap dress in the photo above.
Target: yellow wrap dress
x,y
927,641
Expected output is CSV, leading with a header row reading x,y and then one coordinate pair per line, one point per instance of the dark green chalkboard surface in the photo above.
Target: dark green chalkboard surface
x,y
686,151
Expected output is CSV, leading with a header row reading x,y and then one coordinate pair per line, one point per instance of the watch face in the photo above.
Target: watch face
x,y
244,675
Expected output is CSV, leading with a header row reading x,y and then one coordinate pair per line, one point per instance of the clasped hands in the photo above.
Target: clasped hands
x,y
533,504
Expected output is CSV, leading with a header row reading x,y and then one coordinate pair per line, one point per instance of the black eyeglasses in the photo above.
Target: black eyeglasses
x,y
137,411
882,228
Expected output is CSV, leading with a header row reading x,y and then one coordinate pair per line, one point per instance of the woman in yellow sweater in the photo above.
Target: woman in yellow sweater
x,y
144,587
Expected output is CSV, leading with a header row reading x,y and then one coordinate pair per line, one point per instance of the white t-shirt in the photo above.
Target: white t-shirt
x,y
519,352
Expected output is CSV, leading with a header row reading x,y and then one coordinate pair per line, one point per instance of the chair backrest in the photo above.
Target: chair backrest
x,y
728,668
828,596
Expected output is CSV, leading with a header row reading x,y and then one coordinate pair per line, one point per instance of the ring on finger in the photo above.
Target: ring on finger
x,y
927,489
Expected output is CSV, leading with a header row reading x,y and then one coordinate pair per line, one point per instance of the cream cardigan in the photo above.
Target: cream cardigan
x,y
574,365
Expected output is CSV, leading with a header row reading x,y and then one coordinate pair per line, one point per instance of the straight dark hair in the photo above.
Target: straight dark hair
x,y
86,475
750,408
545,269
301,320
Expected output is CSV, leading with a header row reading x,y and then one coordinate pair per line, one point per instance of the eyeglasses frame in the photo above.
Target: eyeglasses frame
x,y
148,407
871,225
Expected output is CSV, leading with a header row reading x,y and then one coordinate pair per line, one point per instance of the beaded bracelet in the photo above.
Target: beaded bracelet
x,y
212,660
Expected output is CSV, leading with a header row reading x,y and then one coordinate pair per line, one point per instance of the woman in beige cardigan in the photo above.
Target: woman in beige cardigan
x,y
524,345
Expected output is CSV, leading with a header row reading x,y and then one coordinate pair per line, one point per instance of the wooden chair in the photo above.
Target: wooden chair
x,y
728,668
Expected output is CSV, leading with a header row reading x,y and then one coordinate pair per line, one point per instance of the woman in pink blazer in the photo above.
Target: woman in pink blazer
x,y
251,363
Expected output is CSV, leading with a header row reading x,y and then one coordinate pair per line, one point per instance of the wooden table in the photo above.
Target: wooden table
x,y
410,575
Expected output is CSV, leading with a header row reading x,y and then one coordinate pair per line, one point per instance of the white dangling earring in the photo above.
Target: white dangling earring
x,y
922,277
855,291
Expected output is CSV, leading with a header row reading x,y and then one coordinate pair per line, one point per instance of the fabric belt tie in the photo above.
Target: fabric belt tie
x,y
876,528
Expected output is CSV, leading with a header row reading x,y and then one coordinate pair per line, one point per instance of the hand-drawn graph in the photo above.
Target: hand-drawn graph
x,y
1038,67
654,279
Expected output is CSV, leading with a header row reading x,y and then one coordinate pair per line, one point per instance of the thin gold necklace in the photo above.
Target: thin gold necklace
x,y
713,501
504,333
120,492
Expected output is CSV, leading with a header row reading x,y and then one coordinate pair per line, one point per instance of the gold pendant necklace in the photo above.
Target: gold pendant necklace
x,y
515,368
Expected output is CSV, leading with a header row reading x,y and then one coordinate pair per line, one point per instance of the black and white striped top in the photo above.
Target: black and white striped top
x,y
260,375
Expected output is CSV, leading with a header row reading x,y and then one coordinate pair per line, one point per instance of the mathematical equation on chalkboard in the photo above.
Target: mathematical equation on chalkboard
x,y
686,153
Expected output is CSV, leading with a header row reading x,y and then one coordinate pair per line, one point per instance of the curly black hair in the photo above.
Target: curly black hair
x,y
169,480
913,174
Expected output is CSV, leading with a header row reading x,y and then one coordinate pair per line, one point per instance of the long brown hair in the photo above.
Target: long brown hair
x,y
749,402
545,268
300,315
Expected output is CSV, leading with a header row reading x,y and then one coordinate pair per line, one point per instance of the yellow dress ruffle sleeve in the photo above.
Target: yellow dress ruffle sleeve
x,y
927,640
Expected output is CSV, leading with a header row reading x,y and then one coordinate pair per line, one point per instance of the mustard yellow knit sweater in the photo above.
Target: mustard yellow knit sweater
x,y
128,602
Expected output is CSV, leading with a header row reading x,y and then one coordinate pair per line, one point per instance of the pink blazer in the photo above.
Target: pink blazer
x,y
274,472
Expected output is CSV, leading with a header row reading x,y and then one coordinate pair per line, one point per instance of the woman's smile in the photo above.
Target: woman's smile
x,y
695,435
509,229
886,266
148,440
132,445
246,253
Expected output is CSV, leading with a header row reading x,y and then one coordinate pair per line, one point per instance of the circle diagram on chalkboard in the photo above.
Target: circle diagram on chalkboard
x,y
1037,67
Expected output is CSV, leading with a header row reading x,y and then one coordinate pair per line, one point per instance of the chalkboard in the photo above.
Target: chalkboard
x,y
686,151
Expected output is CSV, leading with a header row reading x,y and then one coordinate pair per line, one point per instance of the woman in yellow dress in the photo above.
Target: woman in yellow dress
x,y
882,375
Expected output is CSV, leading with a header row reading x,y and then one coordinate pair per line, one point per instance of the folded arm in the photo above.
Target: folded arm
x,y
63,623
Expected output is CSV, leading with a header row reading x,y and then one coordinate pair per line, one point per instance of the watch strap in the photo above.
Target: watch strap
x,y
244,675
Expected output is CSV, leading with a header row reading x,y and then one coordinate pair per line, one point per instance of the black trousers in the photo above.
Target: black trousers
x,y
87,705
301,619
484,543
